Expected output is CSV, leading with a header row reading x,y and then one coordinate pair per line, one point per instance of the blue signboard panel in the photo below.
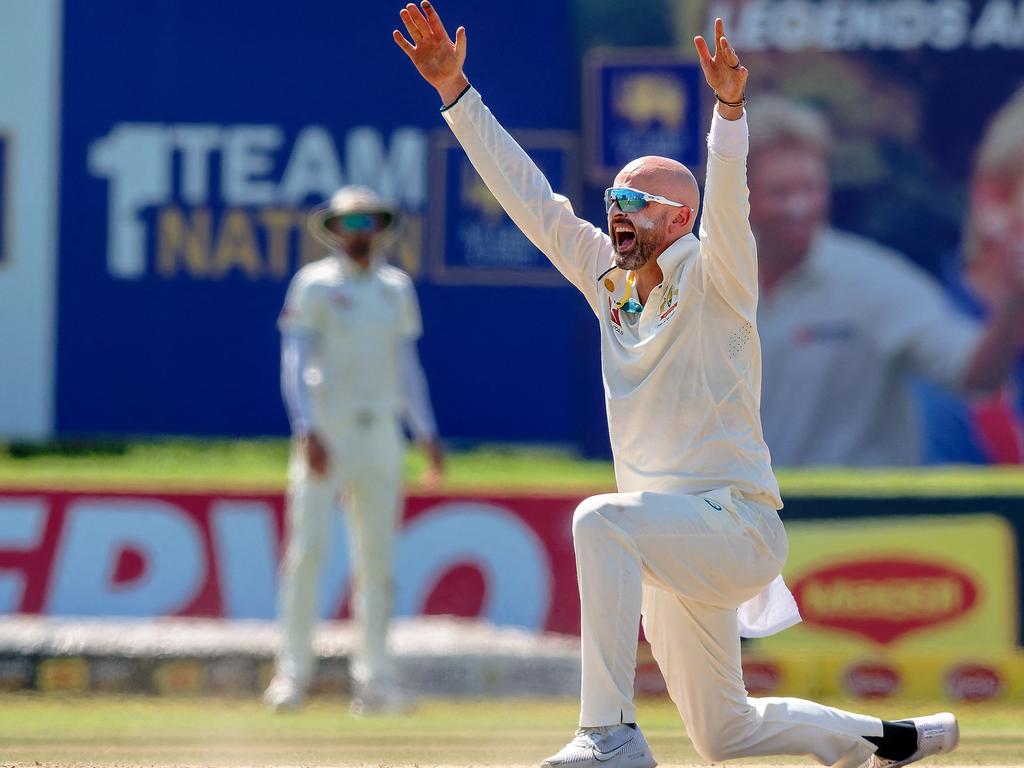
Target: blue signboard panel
x,y
193,145
5,199
472,240
646,103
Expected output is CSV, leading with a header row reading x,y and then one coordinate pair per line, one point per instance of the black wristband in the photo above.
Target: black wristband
x,y
740,103
446,107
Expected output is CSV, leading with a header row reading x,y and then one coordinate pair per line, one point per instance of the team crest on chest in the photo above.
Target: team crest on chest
x,y
669,304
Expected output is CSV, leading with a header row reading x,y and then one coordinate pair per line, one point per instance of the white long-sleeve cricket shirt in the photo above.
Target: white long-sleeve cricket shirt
x,y
682,378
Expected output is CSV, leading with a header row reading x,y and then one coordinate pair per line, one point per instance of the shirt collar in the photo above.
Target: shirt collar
x,y
350,269
670,259
613,280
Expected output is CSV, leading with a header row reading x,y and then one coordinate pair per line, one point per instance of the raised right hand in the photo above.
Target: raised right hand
x,y
435,56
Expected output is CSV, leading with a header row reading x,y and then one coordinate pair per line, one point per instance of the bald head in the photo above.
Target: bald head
x,y
661,176
640,236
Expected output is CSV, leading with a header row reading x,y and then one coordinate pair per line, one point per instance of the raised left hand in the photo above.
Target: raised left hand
x,y
722,69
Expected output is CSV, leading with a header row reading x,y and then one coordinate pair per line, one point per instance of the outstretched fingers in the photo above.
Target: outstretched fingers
x,y
414,22
460,45
404,44
728,53
702,51
434,21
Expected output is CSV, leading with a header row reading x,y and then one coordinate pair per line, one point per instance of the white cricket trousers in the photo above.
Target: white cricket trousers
x,y
365,474
685,563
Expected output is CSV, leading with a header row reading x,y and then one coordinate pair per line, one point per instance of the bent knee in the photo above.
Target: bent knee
x,y
712,751
716,742
588,519
713,748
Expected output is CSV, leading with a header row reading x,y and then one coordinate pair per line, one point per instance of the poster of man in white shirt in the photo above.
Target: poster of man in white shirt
x,y
977,276
846,322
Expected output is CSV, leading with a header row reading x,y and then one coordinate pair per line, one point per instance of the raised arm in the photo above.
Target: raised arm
x,y
727,242
574,246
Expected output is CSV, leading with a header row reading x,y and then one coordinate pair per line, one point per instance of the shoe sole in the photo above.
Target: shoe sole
x,y
641,759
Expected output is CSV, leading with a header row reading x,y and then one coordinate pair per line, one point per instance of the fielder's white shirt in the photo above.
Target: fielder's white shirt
x,y
842,334
359,321
683,378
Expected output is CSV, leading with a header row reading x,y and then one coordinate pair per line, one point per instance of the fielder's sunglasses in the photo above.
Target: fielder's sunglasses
x,y
632,200
362,222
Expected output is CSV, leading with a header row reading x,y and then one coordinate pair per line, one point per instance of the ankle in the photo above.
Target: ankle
x,y
898,740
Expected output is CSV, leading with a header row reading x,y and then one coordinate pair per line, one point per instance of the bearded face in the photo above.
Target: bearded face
x,y
636,238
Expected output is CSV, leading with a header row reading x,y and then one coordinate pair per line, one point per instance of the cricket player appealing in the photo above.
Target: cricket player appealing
x,y
349,370
692,542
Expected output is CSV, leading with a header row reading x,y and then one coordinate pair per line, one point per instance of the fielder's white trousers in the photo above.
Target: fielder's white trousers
x,y
365,474
685,563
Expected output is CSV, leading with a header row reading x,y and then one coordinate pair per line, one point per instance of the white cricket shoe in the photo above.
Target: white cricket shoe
x,y
935,734
609,746
381,698
284,694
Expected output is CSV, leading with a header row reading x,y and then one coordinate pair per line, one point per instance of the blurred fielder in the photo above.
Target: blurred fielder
x,y
349,371
693,542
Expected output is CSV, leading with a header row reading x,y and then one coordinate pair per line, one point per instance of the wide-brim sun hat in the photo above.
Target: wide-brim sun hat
x,y
349,200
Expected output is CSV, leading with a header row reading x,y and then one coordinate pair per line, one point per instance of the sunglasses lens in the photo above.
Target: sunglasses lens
x,y
628,200
358,222
631,202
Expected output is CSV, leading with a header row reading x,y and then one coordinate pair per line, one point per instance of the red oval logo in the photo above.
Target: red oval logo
x,y
973,682
885,598
872,680
761,678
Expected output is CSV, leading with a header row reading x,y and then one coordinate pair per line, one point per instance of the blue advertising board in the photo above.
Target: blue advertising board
x,y
193,146
643,102
473,240
5,198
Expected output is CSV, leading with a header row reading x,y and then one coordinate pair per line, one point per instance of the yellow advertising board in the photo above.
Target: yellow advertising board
x,y
64,675
881,586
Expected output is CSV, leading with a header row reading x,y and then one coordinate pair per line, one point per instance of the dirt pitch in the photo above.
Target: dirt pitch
x,y
46,730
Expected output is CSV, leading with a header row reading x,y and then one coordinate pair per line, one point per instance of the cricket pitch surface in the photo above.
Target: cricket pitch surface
x,y
98,730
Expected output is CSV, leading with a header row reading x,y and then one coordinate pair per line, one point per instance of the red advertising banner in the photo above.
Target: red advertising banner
x,y
508,559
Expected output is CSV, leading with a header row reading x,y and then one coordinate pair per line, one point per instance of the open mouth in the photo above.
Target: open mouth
x,y
624,237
